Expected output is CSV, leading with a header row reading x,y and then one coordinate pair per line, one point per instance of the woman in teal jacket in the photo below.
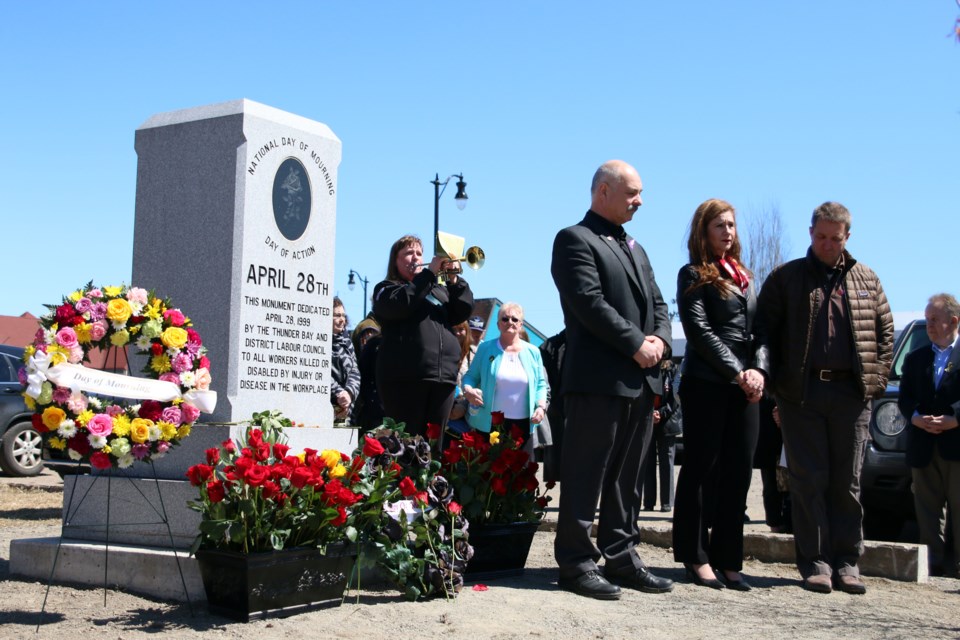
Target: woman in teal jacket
x,y
506,375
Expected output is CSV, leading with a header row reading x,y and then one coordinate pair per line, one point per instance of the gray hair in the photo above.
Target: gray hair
x,y
946,302
609,172
832,212
511,305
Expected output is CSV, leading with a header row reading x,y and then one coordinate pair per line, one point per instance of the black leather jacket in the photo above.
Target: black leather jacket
x,y
722,336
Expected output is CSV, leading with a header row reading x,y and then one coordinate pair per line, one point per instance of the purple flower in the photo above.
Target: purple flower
x,y
182,362
22,376
141,451
98,311
84,305
61,395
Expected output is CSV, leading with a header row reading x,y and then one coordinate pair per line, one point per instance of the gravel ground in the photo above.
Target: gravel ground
x,y
527,607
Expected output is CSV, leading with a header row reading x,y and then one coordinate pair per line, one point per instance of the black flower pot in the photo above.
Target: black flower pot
x,y
252,586
499,550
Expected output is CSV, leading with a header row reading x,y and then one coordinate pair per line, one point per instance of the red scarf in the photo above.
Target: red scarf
x,y
739,276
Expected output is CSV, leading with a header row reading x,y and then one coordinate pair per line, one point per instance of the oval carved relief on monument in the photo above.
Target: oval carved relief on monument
x,y
291,198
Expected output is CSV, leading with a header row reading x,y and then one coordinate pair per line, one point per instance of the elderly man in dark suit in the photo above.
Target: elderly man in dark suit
x,y
618,331
930,401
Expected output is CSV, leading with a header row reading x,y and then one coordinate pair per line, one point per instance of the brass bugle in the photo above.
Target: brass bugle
x,y
475,258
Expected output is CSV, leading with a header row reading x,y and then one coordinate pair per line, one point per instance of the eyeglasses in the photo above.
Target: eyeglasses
x,y
339,315
510,319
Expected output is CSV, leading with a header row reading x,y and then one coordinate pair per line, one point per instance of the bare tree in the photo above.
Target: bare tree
x,y
765,244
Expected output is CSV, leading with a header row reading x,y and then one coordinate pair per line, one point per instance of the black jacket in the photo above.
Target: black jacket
x,y
723,338
607,310
918,394
416,320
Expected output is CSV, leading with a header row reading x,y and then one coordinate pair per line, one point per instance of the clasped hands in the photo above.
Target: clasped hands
x,y
934,424
751,382
475,398
650,352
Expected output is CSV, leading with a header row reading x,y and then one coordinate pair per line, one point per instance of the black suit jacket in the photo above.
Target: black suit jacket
x,y
607,309
917,394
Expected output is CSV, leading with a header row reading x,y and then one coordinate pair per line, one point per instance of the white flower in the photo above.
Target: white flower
x,y
143,343
74,455
135,307
155,433
67,429
172,352
49,336
188,379
97,442
95,402
125,460
37,367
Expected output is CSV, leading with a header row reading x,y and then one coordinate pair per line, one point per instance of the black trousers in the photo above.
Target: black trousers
x,y
719,437
659,461
605,441
416,403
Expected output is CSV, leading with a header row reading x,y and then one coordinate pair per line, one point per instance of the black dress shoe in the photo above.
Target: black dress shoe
x,y
736,585
642,580
591,585
713,583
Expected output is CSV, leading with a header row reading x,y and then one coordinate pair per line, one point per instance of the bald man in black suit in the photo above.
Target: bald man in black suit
x,y
618,331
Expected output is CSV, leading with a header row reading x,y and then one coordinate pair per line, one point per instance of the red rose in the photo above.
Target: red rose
x,y
243,463
371,447
341,517
498,486
80,444
213,456
229,446
280,470
262,451
280,450
256,475
422,497
100,460
77,320
36,421
255,437
270,490
454,508
199,473
302,476
215,492
65,313
542,502
150,410
452,455
551,484
407,487
156,348
433,431
496,418
516,435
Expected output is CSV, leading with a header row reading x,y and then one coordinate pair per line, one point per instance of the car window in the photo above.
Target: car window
x,y
8,369
910,341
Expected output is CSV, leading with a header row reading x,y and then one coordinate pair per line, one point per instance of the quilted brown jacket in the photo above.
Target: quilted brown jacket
x,y
789,302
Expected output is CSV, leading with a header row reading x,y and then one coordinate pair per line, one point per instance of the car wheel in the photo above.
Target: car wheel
x,y
21,453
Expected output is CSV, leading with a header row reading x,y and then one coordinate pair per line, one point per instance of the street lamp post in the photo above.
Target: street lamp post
x,y
461,198
352,283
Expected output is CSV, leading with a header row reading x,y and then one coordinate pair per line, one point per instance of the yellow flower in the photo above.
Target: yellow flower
x,y
121,425
30,402
118,310
183,431
168,431
494,437
84,418
106,448
338,471
57,354
75,296
112,292
57,443
120,338
160,363
330,457
28,351
140,430
174,337
83,332
154,310
52,417
302,456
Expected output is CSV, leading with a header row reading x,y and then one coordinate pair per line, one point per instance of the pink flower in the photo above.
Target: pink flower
x,y
61,395
140,451
203,380
94,293
169,376
189,413
99,311
83,305
173,415
77,402
67,338
136,294
98,329
76,354
174,317
100,425
114,410
181,362
162,447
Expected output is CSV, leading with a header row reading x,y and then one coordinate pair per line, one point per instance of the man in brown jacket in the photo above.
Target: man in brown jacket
x,y
831,344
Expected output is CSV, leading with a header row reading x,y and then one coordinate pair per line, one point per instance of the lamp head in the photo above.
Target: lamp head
x,y
461,197
351,282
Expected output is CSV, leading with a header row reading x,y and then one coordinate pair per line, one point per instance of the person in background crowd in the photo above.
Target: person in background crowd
x,y
344,374
663,448
930,402
457,425
618,330
723,376
365,329
477,330
507,375
551,352
419,355
368,412
776,503
831,345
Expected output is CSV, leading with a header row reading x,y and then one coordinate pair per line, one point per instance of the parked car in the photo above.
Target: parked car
x,y
885,482
21,447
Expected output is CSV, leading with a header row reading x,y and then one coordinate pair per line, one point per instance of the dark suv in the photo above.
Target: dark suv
x,y
885,481
21,447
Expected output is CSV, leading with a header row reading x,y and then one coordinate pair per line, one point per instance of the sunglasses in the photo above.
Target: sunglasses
x,y
510,319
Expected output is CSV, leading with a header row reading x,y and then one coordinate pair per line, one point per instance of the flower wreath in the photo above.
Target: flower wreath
x,y
77,408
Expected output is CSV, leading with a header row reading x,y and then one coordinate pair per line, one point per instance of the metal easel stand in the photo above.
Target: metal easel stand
x,y
72,509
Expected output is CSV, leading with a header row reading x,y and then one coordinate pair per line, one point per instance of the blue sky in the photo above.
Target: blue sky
x,y
759,103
